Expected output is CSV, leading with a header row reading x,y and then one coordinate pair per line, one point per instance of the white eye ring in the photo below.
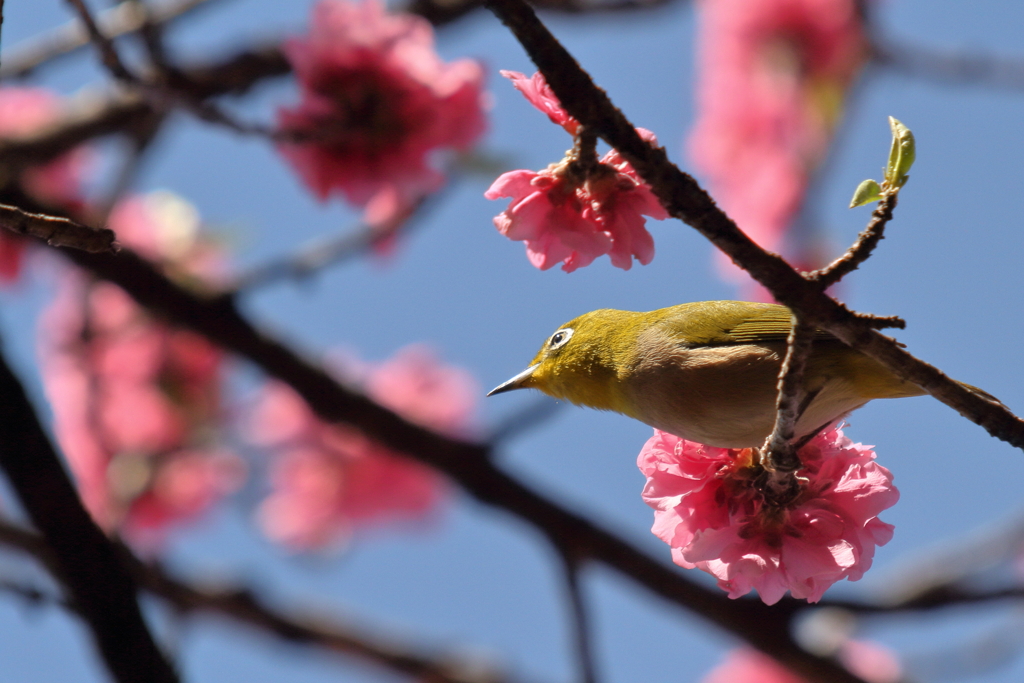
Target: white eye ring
x,y
560,338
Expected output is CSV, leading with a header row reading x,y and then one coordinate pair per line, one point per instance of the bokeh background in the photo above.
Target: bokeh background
x,y
475,580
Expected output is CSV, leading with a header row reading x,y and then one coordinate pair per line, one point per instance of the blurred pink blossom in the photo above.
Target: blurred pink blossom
x,y
329,480
709,509
772,78
572,212
24,111
379,101
136,401
868,661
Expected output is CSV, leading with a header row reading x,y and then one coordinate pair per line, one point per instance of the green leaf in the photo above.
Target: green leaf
x,y
868,191
901,155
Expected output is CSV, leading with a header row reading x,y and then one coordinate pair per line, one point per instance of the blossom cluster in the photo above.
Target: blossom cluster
x,y
580,208
711,509
376,102
136,402
772,80
329,480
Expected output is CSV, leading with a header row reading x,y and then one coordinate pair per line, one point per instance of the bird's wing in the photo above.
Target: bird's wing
x,y
732,322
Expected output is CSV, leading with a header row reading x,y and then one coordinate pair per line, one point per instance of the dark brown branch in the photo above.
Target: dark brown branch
x,y
85,560
125,18
684,199
947,66
859,252
56,231
243,606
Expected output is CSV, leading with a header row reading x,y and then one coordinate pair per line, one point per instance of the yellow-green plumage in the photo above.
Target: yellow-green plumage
x,y
705,371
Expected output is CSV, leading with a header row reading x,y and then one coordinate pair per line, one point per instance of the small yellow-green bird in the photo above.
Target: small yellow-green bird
x,y
704,371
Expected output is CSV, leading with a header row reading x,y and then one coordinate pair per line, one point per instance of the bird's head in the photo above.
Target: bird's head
x,y
582,361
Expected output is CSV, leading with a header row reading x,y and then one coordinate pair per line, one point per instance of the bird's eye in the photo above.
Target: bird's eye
x,y
559,338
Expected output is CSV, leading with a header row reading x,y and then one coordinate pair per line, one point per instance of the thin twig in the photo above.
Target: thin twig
x,y
108,53
581,633
85,560
323,253
139,141
537,412
57,231
684,199
859,252
125,18
947,66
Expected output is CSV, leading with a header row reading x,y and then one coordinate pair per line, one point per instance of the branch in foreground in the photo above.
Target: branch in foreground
x,y
469,464
57,231
86,561
686,200
243,606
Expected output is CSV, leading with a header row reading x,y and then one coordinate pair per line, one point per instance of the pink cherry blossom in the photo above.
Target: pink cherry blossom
x,y
868,661
772,77
573,212
537,91
136,401
379,102
24,111
709,509
330,480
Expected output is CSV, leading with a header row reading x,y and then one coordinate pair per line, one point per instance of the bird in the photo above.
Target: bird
x,y
705,371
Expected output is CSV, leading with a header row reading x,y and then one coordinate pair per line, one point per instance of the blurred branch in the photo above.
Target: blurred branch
x,y
243,606
108,53
948,66
123,19
440,12
84,559
538,411
57,231
323,253
582,635
94,116
684,199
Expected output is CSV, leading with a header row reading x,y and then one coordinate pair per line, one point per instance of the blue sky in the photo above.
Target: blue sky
x,y
483,583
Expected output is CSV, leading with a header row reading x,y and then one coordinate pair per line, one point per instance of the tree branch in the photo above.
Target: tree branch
x,y
84,558
123,19
684,199
243,606
467,463
861,250
57,231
